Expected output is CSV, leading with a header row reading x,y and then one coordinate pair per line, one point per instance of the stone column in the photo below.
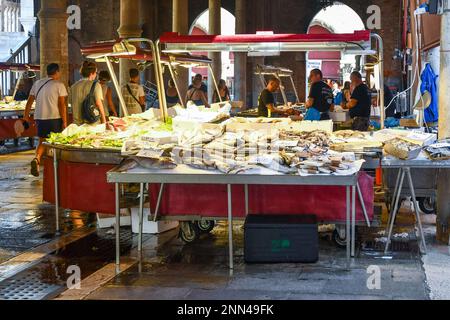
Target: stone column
x,y
54,36
180,24
443,219
240,58
27,18
214,28
129,28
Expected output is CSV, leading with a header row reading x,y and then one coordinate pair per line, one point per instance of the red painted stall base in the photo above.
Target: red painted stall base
x,y
83,187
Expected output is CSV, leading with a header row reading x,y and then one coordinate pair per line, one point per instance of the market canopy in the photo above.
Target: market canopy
x,y
19,67
123,49
267,42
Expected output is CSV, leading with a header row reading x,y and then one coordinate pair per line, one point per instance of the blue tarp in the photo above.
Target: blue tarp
x,y
429,84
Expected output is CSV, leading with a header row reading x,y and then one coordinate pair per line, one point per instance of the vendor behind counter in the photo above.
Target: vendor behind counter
x,y
266,101
360,103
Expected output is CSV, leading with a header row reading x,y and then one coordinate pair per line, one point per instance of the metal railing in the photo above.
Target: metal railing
x,y
8,79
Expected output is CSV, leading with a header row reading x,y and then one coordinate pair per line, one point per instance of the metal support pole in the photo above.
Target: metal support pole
x,y
347,225
161,87
16,88
172,74
282,89
363,205
396,187
117,227
381,62
215,82
230,228
295,89
416,209
56,182
353,220
158,203
141,216
123,105
394,212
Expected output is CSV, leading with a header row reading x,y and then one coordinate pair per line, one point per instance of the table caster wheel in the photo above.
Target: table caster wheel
x,y
189,232
206,226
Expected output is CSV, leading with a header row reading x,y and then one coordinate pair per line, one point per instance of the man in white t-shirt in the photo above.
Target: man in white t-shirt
x,y
133,94
50,112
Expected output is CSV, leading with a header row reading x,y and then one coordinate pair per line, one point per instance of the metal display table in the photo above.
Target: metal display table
x,y
404,171
187,175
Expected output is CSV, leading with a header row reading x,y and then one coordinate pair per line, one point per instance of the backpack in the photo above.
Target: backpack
x,y
89,110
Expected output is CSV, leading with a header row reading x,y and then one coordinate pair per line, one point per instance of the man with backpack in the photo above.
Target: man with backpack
x,y
50,112
133,94
320,97
86,97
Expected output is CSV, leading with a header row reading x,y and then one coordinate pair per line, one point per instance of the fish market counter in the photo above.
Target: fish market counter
x,y
187,193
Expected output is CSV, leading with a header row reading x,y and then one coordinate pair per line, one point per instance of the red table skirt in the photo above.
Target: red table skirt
x,y
84,187
327,203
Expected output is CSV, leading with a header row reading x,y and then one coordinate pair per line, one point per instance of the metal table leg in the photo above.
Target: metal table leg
x,y
56,182
347,225
353,220
363,205
141,216
230,229
117,228
158,203
394,196
416,209
394,211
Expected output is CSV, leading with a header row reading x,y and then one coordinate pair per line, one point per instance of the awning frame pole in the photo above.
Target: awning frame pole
x,y
123,105
295,89
172,74
381,63
215,82
161,86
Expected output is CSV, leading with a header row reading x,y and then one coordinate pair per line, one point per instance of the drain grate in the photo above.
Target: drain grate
x,y
26,286
47,279
396,246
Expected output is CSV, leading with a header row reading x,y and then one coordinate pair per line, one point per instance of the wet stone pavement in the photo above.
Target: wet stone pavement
x,y
34,261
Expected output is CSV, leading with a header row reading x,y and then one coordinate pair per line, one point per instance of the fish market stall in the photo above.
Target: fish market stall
x,y
10,110
91,151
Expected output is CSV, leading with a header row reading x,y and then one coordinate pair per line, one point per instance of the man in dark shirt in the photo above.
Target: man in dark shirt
x,y
359,104
320,95
266,101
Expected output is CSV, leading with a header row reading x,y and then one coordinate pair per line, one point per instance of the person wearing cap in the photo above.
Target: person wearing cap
x,y
50,112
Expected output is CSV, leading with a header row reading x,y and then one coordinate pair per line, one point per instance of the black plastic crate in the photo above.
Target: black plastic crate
x,y
281,239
